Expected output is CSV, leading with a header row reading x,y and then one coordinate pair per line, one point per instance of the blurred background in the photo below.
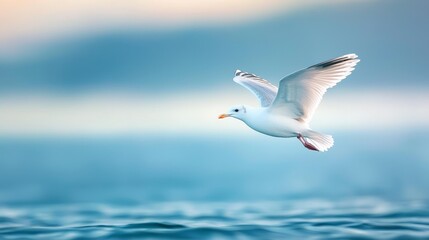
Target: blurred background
x,y
117,101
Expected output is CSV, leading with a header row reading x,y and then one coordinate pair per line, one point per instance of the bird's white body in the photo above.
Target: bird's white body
x,y
286,111
276,125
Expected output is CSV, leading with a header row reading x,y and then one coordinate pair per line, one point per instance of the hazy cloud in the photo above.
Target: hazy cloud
x,y
23,23
196,113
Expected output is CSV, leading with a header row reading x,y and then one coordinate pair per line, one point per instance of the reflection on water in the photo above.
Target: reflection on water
x,y
365,218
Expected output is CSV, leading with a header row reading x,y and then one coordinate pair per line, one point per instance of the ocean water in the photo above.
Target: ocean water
x,y
365,218
215,188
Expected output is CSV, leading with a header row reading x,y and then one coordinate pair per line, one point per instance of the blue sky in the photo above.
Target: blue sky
x,y
68,71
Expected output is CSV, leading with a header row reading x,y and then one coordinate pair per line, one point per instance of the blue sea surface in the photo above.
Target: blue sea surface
x,y
257,187
365,218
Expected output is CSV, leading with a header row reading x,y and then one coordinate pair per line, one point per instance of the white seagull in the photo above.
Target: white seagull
x,y
287,111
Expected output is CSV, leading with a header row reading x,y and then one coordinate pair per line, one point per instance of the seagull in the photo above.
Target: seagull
x,y
287,111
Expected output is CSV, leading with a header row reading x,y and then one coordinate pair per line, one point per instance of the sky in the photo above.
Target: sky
x,y
97,68
28,22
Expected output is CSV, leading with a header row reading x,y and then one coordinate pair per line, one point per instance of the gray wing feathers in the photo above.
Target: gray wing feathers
x,y
261,88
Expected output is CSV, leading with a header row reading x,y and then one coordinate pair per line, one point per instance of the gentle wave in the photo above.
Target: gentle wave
x,y
311,219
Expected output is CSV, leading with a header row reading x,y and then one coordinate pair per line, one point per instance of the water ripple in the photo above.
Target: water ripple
x,y
315,219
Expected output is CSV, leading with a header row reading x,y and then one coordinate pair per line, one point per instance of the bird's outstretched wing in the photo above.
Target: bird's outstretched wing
x,y
301,92
264,90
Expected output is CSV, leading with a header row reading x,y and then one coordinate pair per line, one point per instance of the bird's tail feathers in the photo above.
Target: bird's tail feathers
x,y
319,140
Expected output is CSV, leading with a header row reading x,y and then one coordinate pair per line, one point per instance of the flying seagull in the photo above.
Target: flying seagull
x,y
287,111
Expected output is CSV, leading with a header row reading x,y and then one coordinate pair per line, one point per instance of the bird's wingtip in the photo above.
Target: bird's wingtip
x,y
351,56
354,57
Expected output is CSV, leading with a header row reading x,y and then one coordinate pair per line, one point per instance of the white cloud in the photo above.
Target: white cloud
x,y
196,113
24,23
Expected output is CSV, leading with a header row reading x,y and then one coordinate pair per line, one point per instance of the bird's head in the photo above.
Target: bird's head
x,y
238,112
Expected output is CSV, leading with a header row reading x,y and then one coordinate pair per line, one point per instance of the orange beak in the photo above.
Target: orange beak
x,y
223,116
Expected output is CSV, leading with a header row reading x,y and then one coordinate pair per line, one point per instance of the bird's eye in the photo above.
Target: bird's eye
x,y
235,110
